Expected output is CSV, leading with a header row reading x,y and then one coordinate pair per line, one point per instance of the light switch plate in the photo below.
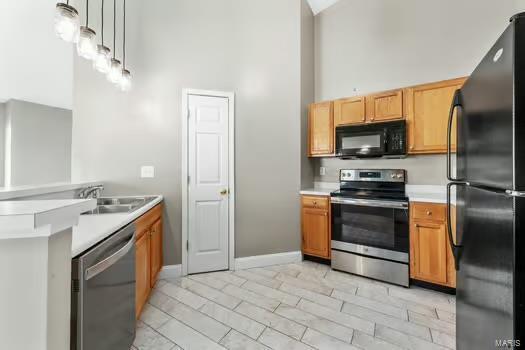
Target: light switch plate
x,y
147,171
322,171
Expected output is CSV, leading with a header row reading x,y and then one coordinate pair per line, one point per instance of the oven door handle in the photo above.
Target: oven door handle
x,y
369,203
110,260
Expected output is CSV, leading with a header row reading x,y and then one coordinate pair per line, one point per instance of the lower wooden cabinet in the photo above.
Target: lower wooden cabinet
x,y
315,226
148,256
431,257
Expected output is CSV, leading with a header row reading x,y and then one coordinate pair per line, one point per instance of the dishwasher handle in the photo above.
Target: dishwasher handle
x,y
109,261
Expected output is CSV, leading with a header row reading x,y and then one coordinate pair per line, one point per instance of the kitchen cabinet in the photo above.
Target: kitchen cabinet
x,y
349,111
315,226
321,129
427,107
385,106
431,258
148,258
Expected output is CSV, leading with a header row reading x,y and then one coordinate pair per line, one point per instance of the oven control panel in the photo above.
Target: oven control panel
x,y
379,175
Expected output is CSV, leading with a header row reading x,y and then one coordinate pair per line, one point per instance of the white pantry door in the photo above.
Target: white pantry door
x,y
208,194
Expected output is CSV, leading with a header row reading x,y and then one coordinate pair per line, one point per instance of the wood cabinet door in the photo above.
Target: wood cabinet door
x,y
155,251
385,106
429,251
321,129
428,107
142,271
349,111
316,232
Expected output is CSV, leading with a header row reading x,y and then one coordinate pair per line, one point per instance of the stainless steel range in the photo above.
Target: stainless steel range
x,y
370,226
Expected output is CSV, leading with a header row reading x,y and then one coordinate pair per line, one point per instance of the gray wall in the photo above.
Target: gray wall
x,y
246,46
364,46
40,143
2,142
307,89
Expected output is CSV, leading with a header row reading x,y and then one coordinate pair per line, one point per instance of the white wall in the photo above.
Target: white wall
x,y
365,46
250,47
2,142
35,65
372,45
40,144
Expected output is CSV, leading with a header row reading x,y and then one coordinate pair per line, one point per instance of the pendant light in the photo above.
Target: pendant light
x,y
102,61
125,79
87,45
67,22
115,70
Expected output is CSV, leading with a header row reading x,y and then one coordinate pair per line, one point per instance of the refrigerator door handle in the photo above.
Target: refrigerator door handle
x,y
456,102
456,248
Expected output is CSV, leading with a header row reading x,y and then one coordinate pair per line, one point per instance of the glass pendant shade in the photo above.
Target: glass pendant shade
x,y
125,80
67,23
87,45
115,71
102,60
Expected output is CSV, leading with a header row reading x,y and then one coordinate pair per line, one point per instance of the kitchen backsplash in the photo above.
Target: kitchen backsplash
x,y
421,170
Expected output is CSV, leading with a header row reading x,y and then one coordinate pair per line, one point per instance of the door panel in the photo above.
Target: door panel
x,y
316,239
486,119
427,108
156,251
208,207
321,129
485,283
429,252
349,111
385,106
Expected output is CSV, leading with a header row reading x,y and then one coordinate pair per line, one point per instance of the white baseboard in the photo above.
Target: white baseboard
x,y
267,260
170,271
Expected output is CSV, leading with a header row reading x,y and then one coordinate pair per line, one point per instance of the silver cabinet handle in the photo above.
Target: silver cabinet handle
x,y
109,261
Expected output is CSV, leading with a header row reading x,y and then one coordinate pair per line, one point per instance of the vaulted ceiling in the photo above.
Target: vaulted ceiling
x,y
319,5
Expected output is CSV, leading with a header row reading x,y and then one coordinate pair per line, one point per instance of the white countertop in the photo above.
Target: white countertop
x,y
320,189
92,229
37,218
427,193
35,190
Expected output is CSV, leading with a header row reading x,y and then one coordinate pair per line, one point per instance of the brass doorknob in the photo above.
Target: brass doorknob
x,y
224,192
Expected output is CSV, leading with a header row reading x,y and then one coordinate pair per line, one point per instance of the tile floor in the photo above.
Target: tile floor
x,y
295,306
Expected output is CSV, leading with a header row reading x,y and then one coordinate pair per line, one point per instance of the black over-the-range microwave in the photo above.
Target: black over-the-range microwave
x,y
386,139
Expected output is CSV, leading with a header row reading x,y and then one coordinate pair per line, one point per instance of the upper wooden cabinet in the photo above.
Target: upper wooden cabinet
x,y
321,129
427,107
385,106
431,257
349,111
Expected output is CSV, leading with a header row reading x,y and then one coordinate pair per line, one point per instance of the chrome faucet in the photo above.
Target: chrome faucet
x,y
91,192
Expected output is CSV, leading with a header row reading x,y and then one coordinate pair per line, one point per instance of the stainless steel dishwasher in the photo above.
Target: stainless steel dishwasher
x,y
103,294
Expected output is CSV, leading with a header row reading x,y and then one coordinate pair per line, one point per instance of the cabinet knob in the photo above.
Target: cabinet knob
x,y
315,202
429,212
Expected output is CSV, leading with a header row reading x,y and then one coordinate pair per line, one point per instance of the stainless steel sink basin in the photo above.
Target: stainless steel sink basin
x,y
116,205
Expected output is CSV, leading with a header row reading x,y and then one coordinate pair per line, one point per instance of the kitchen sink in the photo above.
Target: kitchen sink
x,y
118,205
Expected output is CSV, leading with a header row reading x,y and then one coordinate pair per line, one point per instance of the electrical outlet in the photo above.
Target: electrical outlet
x,y
322,171
147,171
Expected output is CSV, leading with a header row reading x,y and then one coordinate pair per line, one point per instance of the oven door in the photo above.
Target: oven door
x,y
375,228
360,142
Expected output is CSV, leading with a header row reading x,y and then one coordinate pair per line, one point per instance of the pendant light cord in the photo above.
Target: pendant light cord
x,y
114,26
102,26
124,38
87,13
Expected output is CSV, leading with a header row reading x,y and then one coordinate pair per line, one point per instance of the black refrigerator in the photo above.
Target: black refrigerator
x,y
487,193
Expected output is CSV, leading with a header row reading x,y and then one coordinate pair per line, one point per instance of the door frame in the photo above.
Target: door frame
x,y
231,172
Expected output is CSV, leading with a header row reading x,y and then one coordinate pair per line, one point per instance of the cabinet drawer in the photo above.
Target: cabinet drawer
x,y
315,202
428,211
